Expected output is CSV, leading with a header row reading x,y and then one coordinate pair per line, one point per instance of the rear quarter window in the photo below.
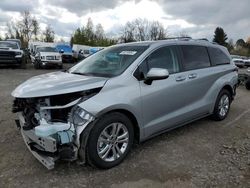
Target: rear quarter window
x,y
195,57
218,57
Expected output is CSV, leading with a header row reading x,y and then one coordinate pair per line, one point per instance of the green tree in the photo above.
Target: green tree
x,y
71,41
240,43
220,36
89,32
87,35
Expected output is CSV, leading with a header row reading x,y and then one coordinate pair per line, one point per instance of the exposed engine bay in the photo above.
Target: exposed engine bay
x,y
51,126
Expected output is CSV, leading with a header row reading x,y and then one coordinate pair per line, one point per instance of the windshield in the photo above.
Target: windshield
x,y
46,49
109,62
8,45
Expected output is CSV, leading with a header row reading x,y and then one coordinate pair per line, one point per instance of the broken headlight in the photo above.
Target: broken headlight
x,y
81,116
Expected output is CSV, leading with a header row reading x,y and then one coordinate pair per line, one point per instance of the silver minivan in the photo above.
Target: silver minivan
x,y
123,94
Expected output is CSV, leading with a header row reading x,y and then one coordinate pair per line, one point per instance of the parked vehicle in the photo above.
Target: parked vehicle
x,y
10,53
80,51
123,94
244,78
47,56
246,62
66,51
93,50
239,62
33,48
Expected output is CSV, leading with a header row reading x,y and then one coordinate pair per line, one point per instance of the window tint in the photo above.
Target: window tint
x,y
218,57
164,58
195,57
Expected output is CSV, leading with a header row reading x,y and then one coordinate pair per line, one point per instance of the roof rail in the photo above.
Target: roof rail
x,y
178,38
205,39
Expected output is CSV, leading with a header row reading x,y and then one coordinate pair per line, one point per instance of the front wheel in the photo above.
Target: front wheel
x,y
110,140
37,65
222,105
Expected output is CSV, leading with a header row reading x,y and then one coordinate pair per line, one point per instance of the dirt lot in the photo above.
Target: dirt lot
x,y
201,154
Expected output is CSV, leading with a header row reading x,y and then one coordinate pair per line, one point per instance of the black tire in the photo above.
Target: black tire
x,y
217,116
102,124
60,66
247,84
23,64
36,65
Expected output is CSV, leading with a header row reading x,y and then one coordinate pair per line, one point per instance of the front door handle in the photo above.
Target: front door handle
x,y
180,78
192,76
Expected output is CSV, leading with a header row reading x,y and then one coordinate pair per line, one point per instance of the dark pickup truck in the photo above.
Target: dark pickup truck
x,y
10,53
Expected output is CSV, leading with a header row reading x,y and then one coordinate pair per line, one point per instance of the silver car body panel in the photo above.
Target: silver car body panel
x,y
55,84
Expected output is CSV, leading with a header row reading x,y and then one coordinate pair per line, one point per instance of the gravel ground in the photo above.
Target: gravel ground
x,y
202,154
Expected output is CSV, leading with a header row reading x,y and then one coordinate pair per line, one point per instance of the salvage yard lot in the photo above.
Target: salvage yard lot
x,y
202,154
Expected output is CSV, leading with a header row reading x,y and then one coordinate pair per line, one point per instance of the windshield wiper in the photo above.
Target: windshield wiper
x,y
79,73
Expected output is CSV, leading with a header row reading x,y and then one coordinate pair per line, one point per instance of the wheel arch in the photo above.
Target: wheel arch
x,y
230,89
131,116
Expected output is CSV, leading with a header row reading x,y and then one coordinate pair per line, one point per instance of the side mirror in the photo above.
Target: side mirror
x,y
61,51
156,74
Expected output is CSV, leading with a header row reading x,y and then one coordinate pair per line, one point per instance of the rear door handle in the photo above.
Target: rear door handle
x,y
180,78
192,76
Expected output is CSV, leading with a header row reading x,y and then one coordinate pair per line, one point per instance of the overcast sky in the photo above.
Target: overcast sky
x,y
193,17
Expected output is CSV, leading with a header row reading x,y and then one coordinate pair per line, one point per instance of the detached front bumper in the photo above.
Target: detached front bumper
x,y
43,148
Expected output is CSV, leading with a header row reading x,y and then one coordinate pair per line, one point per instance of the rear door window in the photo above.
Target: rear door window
x,y
195,57
218,57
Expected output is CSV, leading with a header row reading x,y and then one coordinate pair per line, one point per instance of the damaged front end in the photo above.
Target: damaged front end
x,y
52,126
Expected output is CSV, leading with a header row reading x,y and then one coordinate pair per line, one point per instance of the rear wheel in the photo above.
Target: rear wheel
x,y
222,105
110,140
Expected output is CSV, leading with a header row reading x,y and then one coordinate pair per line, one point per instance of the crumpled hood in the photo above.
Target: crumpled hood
x,y
56,83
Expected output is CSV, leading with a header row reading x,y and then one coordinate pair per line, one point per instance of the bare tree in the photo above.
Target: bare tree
x,y
183,34
36,28
157,31
142,29
128,32
28,25
49,34
89,31
13,31
99,32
